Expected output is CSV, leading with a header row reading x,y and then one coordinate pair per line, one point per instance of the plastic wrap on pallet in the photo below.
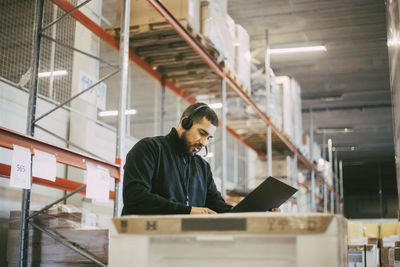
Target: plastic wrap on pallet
x,y
143,13
242,57
325,168
284,82
291,108
306,144
214,26
267,100
316,152
297,117
230,43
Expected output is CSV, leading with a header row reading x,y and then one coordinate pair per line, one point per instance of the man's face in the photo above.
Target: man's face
x,y
198,136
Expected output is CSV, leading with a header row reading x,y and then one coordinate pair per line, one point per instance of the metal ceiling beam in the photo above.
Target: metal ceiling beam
x,y
360,107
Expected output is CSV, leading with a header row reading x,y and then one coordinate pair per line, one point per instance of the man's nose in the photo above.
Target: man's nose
x,y
203,141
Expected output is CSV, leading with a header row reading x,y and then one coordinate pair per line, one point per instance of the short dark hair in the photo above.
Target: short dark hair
x,y
207,112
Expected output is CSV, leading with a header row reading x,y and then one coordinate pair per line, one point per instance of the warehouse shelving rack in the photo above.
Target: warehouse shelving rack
x,y
273,132
122,45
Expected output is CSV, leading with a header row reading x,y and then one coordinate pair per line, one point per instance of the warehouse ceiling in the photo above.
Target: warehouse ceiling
x,y
346,86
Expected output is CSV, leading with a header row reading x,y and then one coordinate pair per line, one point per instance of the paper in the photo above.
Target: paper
x,y
97,183
44,165
21,168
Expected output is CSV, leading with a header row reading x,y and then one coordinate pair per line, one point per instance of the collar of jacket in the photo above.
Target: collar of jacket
x,y
177,144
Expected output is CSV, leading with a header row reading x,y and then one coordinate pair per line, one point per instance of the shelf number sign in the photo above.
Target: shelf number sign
x,y
21,168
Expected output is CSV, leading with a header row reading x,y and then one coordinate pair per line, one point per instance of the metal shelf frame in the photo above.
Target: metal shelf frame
x,y
63,155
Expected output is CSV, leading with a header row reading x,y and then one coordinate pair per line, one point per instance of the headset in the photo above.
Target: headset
x,y
187,122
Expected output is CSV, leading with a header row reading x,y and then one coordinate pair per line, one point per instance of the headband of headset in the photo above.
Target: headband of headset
x,y
187,122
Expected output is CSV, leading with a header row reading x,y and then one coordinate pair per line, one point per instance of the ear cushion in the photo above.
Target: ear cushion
x,y
187,123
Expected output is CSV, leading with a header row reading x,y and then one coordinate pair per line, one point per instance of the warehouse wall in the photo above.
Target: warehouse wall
x,y
393,26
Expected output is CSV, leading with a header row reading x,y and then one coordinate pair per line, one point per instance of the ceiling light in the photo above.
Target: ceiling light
x,y
297,49
344,148
110,113
55,73
215,105
334,130
329,98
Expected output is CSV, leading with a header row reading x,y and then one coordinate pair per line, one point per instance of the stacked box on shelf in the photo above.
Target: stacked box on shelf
x,y
275,101
242,56
257,239
291,109
45,251
230,44
296,113
316,152
325,168
143,13
269,101
305,148
285,85
217,27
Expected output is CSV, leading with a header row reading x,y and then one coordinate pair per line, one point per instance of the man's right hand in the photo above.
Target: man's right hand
x,y
197,210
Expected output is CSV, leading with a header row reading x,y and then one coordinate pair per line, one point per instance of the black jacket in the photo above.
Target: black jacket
x,y
157,176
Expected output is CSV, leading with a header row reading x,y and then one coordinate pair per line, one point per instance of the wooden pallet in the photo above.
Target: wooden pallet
x,y
159,45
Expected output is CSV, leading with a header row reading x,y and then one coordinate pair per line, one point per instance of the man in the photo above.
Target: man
x,y
163,174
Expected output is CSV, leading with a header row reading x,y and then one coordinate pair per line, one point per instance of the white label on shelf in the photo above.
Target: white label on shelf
x,y
97,183
44,165
21,168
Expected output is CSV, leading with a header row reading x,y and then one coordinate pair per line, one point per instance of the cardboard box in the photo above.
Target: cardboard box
x,y
143,13
247,239
363,255
387,256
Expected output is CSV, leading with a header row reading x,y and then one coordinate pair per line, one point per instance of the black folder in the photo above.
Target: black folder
x,y
268,195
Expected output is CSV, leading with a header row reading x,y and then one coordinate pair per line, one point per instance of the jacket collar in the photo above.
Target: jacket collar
x,y
176,142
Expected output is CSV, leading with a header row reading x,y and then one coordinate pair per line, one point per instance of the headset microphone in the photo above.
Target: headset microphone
x,y
206,151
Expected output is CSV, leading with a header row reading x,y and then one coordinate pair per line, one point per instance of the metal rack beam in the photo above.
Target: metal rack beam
x,y
8,138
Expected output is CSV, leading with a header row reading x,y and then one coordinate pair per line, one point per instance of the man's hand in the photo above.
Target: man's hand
x,y
197,210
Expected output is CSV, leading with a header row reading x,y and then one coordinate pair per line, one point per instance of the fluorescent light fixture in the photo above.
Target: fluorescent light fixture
x,y
329,98
334,130
55,73
215,105
297,49
344,148
111,113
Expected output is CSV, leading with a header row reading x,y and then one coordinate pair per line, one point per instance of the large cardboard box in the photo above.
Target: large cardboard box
x,y
143,13
247,239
